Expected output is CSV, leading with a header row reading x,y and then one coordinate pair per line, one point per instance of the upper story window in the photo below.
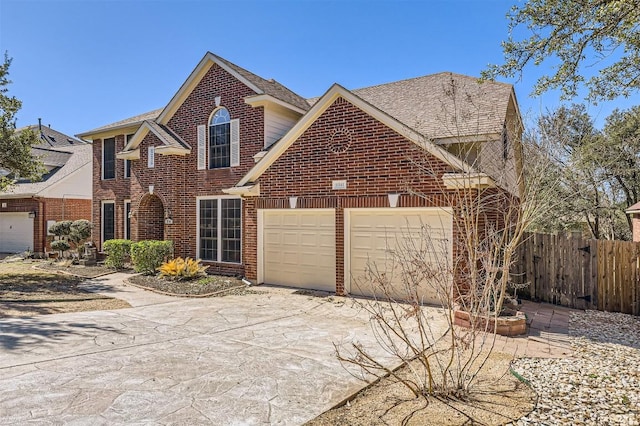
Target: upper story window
x,y
127,163
220,139
109,158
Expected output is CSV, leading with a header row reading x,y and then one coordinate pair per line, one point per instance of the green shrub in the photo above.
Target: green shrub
x,y
117,253
80,231
61,229
147,256
61,246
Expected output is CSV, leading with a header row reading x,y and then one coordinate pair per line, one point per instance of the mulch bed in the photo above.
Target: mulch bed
x,y
211,285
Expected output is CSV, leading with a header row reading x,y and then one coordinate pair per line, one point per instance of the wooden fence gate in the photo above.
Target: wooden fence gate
x,y
571,271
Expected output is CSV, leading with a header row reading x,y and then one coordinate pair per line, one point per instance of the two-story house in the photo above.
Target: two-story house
x,y
255,180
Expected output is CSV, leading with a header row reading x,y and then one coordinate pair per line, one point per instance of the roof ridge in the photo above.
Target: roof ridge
x,y
268,86
404,80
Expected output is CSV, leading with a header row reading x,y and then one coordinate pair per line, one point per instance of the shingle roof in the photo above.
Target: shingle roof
x,y
443,105
79,155
151,115
270,87
168,137
51,156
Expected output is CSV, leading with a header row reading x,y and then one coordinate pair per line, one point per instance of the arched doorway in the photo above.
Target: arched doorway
x,y
150,218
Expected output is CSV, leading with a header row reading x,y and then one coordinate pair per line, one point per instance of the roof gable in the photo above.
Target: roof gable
x,y
257,84
171,142
321,106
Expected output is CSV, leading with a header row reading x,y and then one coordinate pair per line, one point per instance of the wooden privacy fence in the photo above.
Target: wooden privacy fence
x,y
572,271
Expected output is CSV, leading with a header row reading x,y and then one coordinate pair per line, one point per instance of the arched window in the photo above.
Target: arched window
x,y
220,139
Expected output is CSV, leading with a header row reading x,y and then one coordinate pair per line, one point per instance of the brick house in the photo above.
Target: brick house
x,y
27,209
255,180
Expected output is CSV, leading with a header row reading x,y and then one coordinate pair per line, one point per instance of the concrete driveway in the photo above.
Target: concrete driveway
x,y
263,358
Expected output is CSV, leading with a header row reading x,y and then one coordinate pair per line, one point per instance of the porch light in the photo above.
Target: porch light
x,y
293,202
151,189
32,215
393,198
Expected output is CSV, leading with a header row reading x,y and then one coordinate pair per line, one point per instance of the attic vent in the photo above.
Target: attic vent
x,y
70,141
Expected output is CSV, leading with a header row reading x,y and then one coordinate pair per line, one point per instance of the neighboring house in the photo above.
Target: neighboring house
x,y
634,212
27,209
255,180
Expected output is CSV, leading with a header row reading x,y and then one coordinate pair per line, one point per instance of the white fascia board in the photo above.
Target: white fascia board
x,y
172,150
192,81
137,137
109,132
319,107
268,100
129,155
467,181
21,195
246,191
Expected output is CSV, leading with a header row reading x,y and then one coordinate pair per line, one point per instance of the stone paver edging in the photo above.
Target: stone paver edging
x,y
166,293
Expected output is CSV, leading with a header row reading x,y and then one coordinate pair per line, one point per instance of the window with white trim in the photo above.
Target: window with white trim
x,y
223,142
109,158
127,219
127,163
108,220
151,157
220,139
219,229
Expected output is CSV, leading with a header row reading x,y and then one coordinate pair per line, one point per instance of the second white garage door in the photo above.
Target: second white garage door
x,y
375,233
16,232
299,248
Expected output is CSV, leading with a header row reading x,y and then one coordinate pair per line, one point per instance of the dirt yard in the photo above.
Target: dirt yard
x,y
26,291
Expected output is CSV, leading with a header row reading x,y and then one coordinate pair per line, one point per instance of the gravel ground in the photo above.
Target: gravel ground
x,y
599,385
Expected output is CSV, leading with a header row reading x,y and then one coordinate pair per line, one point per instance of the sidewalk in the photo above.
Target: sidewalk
x,y
547,333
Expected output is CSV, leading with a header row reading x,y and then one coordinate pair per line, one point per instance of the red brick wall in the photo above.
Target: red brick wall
x,y
377,161
176,179
48,209
635,223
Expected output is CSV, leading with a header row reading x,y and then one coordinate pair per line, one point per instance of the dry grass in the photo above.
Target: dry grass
x,y
26,291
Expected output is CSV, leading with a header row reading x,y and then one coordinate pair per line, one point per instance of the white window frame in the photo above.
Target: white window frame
x,y
125,161
151,157
115,169
219,218
234,141
50,223
102,204
125,219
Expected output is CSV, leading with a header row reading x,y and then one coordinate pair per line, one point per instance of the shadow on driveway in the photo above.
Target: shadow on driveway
x,y
19,333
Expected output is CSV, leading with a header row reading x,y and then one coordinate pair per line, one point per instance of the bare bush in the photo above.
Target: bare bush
x,y
488,203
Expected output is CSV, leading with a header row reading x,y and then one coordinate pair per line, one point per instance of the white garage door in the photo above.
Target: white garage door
x,y
16,232
375,233
299,248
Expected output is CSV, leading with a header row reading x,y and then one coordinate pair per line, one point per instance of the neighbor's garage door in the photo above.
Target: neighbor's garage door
x,y
374,232
300,248
16,232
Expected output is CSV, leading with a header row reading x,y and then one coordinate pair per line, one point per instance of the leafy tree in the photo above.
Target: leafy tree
x,y
598,171
15,147
577,34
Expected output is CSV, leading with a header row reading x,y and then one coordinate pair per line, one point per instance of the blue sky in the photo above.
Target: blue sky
x,y
83,64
